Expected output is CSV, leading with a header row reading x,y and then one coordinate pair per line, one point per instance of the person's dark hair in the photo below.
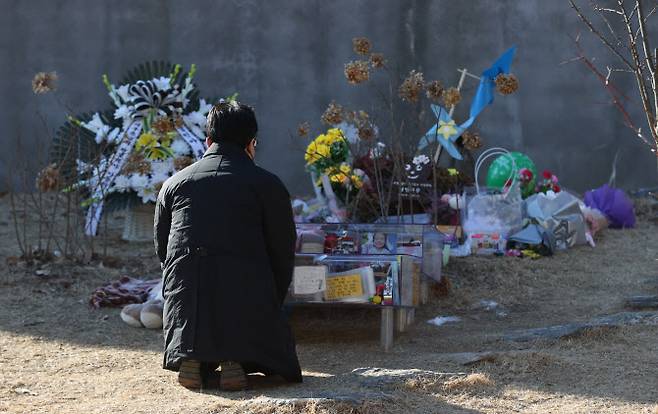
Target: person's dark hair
x,y
233,122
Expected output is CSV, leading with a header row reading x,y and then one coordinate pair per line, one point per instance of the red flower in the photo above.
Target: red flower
x,y
556,188
548,174
525,174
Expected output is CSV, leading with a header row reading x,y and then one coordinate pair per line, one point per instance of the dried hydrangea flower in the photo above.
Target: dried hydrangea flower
x,y
137,164
44,82
366,132
412,86
471,140
377,60
451,97
357,71
49,179
303,129
361,45
333,115
434,90
177,120
506,84
182,162
163,125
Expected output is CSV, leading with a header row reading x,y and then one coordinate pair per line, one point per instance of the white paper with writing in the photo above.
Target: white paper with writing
x,y
308,280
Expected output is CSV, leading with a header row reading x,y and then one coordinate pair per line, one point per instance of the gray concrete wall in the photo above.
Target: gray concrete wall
x,y
286,58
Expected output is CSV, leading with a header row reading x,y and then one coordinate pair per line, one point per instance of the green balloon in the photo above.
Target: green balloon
x,y
501,170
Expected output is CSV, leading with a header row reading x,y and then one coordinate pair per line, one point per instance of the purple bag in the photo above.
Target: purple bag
x,y
614,203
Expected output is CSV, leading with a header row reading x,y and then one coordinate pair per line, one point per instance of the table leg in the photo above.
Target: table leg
x,y
386,329
401,320
424,291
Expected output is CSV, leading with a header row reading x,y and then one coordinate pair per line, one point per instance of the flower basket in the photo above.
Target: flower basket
x,y
139,223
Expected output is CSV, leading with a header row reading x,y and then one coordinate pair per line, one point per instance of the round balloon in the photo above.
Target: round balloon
x,y
501,170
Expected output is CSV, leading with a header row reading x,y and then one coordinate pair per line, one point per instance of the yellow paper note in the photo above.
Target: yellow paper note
x,y
341,287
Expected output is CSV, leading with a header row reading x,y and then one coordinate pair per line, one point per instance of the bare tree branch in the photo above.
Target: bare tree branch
x,y
607,22
648,58
602,9
598,34
615,94
613,70
630,16
639,72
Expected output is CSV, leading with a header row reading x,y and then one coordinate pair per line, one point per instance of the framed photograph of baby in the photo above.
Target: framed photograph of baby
x,y
378,243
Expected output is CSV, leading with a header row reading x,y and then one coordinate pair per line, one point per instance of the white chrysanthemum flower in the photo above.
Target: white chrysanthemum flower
x,y
138,181
196,118
123,93
82,166
121,183
194,129
148,195
204,107
189,86
350,132
180,147
114,135
97,126
161,170
122,112
161,83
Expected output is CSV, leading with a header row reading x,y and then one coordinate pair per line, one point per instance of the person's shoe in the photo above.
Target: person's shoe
x,y
232,377
189,374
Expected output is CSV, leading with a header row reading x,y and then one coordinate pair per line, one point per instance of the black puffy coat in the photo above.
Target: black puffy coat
x,y
225,235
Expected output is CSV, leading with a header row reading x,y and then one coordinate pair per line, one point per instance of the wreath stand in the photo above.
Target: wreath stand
x,y
138,226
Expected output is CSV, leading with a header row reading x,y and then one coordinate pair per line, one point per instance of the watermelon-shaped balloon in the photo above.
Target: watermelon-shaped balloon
x,y
501,170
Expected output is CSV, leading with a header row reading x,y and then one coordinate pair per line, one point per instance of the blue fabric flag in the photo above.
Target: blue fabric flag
x,y
485,93
445,131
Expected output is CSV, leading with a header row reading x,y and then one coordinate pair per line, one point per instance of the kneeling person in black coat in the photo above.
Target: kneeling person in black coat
x,y
225,235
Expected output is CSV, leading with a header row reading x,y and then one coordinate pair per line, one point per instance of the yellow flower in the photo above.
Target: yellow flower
x,y
321,139
157,153
335,132
343,175
336,178
146,140
356,181
316,151
453,171
333,135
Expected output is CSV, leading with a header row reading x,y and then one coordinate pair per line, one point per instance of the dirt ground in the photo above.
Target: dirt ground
x,y
59,356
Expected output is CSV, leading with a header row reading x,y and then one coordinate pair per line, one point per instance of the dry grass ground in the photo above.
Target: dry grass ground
x,y
58,356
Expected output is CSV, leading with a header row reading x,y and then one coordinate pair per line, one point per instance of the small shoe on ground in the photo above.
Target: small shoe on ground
x,y
189,375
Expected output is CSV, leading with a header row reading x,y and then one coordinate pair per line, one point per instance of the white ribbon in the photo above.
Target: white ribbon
x,y
340,213
193,141
117,161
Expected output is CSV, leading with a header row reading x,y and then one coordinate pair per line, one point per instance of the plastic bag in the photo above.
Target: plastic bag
x,y
561,215
490,218
490,215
